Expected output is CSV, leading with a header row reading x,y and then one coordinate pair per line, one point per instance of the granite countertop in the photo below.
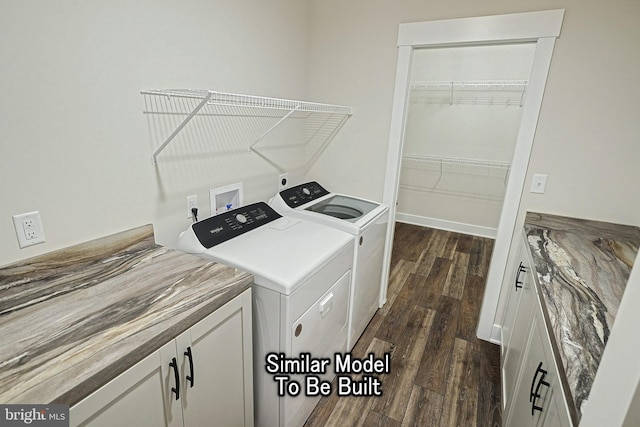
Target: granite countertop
x,y
582,270
74,319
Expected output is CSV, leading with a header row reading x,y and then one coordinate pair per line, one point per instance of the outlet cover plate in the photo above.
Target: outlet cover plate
x,y
192,202
29,229
538,183
283,181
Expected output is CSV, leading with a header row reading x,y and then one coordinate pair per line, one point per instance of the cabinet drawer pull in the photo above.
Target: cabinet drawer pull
x,y
535,394
521,269
191,378
176,389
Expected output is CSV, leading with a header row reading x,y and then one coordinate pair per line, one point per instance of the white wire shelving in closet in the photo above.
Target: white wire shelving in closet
x,y
254,117
459,165
505,93
470,92
485,175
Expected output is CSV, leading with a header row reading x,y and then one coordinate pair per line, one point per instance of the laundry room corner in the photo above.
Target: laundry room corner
x,y
74,117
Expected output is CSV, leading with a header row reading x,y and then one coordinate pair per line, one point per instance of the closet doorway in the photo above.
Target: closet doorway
x,y
541,28
462,123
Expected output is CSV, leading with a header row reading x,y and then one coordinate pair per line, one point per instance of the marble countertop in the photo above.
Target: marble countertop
x,y
582,270
74,319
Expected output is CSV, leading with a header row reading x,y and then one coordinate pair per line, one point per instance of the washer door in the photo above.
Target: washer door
x,y
338,211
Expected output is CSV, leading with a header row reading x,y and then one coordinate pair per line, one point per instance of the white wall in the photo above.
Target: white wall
x,y
588,133
75,144
588,130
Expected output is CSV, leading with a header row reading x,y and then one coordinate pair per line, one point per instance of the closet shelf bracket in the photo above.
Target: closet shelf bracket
x,y
271,129
181,126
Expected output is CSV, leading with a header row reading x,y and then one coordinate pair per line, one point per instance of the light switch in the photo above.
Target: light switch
x,y
538,183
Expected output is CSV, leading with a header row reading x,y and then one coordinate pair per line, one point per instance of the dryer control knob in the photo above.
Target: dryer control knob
x,y
241,218
306,191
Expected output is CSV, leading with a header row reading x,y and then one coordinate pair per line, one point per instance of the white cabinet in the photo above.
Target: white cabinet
x,y
531,389
538,398
136,397
516,323
203,377
222,388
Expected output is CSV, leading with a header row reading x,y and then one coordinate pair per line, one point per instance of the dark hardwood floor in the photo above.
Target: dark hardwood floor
x,y
441,374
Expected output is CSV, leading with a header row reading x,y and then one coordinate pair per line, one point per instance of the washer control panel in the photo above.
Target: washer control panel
x,y
227,225
303,193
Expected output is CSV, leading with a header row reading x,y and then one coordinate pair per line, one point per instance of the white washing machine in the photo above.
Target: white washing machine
x,y
302,277
366,221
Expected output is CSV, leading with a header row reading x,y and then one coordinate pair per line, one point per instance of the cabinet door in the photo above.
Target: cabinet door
x,y
538,399
513,294
522,305
555,415
522,411
216,354
138,397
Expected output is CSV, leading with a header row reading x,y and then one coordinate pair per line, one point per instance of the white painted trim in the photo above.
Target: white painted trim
x,y
509,224
496,335
534,26
394,157
441,224
484,29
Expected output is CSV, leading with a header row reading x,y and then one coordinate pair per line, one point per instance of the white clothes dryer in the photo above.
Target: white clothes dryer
x,y
302,277
366,221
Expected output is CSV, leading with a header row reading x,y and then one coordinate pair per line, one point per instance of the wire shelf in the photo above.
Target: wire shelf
x,y
469,92
240,100
467,178
258,118
457,165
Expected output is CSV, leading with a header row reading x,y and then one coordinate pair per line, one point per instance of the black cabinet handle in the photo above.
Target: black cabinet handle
x,y
521,269
533,381
535,394
176,389
190,377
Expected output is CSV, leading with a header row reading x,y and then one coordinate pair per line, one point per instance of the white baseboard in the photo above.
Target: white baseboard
x,y
441,224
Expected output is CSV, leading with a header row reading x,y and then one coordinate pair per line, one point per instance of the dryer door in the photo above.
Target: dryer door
x,y
320,331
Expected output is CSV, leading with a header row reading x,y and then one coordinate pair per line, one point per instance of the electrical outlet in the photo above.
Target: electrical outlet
x,y
29,229
283,181
192,202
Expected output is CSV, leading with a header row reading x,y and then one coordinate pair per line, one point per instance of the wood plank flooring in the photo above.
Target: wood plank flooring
x,y
441,374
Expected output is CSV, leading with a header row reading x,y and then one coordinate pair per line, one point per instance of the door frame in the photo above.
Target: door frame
x,y
541,27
